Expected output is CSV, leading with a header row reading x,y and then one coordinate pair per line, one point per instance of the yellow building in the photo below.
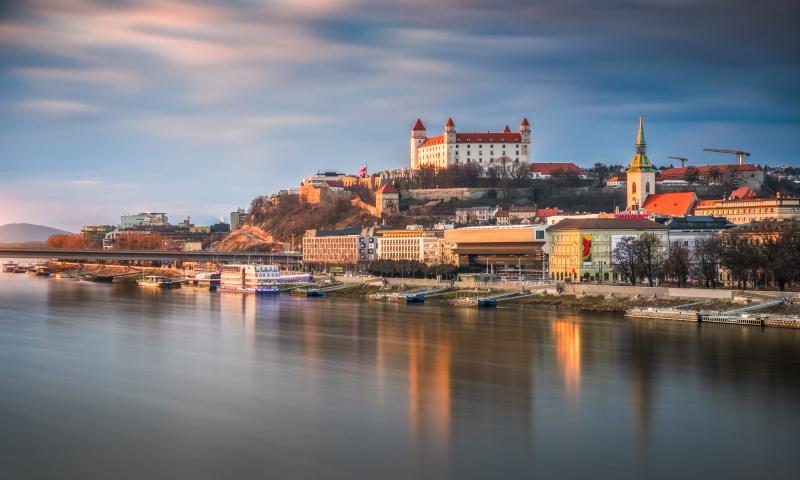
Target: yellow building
x,y
747,210
641,176
418,245
580,249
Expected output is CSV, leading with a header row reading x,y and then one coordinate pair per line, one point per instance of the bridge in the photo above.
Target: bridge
x,y
293,259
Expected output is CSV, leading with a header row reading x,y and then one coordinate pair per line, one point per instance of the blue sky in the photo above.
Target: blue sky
x,y
194,108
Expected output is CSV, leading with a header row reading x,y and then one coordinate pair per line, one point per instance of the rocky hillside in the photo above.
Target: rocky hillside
x,y
247,239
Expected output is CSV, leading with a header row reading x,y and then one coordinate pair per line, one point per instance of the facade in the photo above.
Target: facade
x,y
581,249
731,174
518,248
641,176
686,231
748,210
502,218
94,234
387,200
476,214
144,218
519,213
616,182
452,147
547,170
416,245
349,246
237,218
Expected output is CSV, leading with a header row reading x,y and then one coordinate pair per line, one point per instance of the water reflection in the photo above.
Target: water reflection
x,y
200,381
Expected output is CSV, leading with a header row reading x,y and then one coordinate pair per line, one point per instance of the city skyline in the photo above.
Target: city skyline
x,y
113,107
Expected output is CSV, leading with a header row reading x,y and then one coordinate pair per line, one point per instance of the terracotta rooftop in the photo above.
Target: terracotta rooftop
x,y
418,125
675,204
607,224
387,188
680,172
551,168
742,193
489,137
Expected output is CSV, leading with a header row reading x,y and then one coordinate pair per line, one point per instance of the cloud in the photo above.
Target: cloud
x,y
58,108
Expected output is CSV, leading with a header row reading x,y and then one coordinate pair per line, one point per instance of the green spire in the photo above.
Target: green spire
x,y
640,135
640,162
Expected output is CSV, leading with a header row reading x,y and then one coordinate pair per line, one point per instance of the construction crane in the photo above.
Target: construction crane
x,y
681,159
739,154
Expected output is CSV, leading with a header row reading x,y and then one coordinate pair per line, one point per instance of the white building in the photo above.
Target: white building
x,y
418,245
484,149
476,214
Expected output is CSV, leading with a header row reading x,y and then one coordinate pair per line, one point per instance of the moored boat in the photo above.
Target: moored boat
x,y
67,276
158,281
250,278
39,271
10,267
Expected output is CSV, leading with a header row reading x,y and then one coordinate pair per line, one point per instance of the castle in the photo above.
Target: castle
x,y
484,149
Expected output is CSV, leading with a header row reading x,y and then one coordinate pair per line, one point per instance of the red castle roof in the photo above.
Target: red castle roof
x,y
488,137
524,122
551,168
418,125
450,122
507,129
703,170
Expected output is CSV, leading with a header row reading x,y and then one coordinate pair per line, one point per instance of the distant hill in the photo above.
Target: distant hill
x,y
26,232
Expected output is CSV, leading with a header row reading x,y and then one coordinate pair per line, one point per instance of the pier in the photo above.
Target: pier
x,y
735,316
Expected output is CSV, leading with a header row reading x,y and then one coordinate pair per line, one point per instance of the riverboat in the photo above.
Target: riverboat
x,y
39,271
158,281
249,278
10,267
67,276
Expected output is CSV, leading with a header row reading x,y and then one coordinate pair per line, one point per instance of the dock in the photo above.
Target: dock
x,y
734,316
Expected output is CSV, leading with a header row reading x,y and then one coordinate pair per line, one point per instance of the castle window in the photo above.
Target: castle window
x,y
647,187
633,187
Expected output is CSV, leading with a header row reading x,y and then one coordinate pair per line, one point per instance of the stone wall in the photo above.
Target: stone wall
x,y
447,194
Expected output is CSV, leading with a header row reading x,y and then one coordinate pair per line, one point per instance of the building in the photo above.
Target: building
x,y
237,218
480,214
144,218
517,248
452,147
726,174
641,176
387,200
616,182
547,170
520,213
670,204
748,210
324,178
686,231
324,193
94,234
581,249
416,245
343,247
502,218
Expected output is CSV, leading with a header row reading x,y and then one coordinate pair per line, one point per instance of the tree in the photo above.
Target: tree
x,y
677,264
691,175
740,256
649,250
626,260
707,252
71,242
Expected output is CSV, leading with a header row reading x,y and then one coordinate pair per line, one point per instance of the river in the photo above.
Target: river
x,y
112,381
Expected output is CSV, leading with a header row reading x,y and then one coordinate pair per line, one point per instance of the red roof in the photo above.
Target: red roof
x,y
547,212
387,188
617,179
450,122
677,203
418,125
507,129
489,137
524,122
550,168
742,193
703,170
502,213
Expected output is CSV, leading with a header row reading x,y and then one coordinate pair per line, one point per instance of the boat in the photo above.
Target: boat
x,y
250,278
158,281
10,267
289,278
39,271
67,276
210,280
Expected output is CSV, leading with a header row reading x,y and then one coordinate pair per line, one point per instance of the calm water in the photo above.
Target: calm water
x,y
102,381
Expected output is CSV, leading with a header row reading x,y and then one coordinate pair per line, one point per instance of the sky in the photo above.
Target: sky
x,y
195,108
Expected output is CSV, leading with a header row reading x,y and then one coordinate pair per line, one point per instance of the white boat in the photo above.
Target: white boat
x,y
39,271
67,276
288,278
250,278
158,281
10,267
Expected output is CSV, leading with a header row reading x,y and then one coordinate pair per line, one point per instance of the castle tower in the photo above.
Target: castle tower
x,y
450,131
387,200
641,174
418,137
525,138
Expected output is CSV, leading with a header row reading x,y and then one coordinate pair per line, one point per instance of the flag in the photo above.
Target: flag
x,y
363,171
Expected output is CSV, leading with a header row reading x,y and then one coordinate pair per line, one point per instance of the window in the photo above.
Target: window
x,y
647,187
633,187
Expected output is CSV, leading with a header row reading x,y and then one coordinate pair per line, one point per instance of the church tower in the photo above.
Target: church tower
x,y
418,137
641,174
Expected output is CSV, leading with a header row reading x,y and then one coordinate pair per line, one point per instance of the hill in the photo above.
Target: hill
x,y
247,238
27,232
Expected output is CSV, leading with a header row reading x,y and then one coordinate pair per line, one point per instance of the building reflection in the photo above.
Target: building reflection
x,y
567,336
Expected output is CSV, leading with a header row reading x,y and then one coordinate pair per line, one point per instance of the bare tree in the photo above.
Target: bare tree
x,y
626,260
677,263
650,253
706,261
